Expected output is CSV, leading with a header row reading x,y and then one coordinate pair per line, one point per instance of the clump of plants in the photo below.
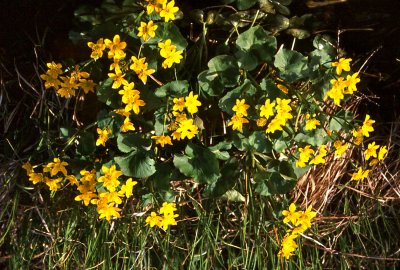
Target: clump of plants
x,y
258,113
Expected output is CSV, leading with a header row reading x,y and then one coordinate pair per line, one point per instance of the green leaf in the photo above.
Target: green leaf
x,y
174,88
131,142
233,196
230,174
163,175
267,183
216,149
210,83
198,163
292,65
316,138
107,94
227,69
256,142
137,164
86,143
245,4
255,46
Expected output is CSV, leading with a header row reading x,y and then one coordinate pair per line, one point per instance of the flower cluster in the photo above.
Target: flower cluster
x,y
67,85
169,52
300,222
239,118
106,192
165,9
53,174
341,86
279,111
182,123
165,218
310,156
109,195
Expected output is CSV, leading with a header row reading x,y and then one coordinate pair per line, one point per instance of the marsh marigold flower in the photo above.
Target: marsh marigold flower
x,y
360,174
367,126
191,103
55,167
110,177
154,5
127,189
340,148
187,129
116,47
103,136
267,109
97,48
168,11
118,78
147,30
311,123
241,107
237,122
342,64
371,151
162,140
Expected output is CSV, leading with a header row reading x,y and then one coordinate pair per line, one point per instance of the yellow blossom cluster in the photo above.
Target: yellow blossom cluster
x,y
106,192
238,119
165,9
53,174
165,218
182,125
147,30
169,52
342,86
310,156
109,196
276,112
66,86
300,222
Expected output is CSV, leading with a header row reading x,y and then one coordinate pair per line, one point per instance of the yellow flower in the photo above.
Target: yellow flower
x,y
55,167
103,136
266,110
72,180
87,85
320,158
168,208
122,112
168,11
312,123
358,136
305,217
127,189
179,104
367,126
118,78
288,246
167,48
276,124
155,5
261,122
162,140
110,177
241,107
108,211
371,151
147,30
97,49
187,129
290,215
127,126
174,57
351,82
86,197
191,103
115,47
360,174
111,197
168,220
382,152
153,220
305,155
35,177
237,122
342,64
340,148
53,184
67,88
